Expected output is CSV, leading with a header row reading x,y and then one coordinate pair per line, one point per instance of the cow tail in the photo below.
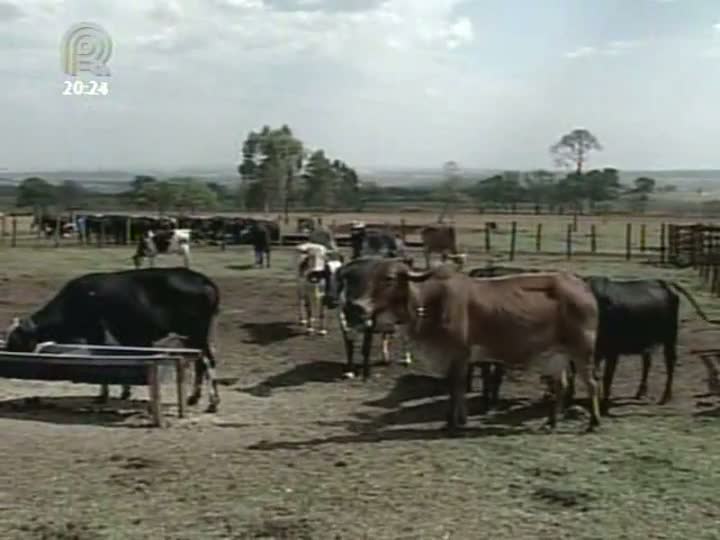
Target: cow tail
x,y
682,290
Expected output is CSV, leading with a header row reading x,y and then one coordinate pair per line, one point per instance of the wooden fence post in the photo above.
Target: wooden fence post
x,y
538,238
593,239
101,237
488,245
13,228
568,241
662,243
58,224
128,230
642,237
513,233
628,241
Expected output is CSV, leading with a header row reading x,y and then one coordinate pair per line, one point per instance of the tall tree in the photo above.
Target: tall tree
x,y
348,185
573,149
70,194
37,193
191,194
321,181
272,158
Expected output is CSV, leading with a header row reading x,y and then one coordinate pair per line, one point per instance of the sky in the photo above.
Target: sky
x,y
486,83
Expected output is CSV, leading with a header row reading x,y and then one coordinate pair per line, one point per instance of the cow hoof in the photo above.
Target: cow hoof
x,y
212,408
193,400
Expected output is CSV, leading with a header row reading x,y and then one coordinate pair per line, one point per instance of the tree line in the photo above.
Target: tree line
x,y
278,173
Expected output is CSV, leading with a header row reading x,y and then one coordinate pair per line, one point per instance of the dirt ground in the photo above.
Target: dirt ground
x,y
296,452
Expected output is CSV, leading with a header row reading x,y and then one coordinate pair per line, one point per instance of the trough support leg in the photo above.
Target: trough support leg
x,y
180,366
155,397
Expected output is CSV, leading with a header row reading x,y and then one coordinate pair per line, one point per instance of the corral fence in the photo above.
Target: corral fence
x,y
569,237
697,246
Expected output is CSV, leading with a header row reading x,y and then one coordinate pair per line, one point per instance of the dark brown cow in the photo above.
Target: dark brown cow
x,y
441,239
510,319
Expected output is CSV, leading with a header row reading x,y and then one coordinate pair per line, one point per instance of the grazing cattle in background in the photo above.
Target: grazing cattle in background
x,y
346,286
176,241
441,239
635,317
315,265
366,241
511,319
136,308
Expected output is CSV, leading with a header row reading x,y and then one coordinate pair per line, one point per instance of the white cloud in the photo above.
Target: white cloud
x,y
611,48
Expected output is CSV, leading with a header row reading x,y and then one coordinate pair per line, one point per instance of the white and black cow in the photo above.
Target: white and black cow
x,y
136,308
346,286
163,242
315,266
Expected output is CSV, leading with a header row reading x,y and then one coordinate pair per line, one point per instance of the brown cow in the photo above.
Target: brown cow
x,y
510,319
441,239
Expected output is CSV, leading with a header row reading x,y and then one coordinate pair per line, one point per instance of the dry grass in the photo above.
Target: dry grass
x,y
296,452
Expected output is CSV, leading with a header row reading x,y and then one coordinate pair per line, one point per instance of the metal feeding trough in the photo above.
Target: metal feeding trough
x,y
95,364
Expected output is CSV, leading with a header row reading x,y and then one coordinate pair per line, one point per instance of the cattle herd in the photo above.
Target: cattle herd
x,y
499,318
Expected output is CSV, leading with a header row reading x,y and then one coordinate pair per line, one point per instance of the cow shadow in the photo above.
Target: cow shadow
x,y
76,411
298,375
240,267
267,333
364,429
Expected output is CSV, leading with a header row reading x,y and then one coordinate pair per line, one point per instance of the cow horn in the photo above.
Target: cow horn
x,y
418,276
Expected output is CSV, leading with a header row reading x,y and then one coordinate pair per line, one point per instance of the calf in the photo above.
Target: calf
x,y
163,242
346,287
511,319
441,239
136,308
315,265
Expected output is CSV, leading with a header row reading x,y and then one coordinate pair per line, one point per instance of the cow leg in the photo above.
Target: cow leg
x,y
570,388
152,261
267,258
185,253
670,361
498,376
642,388
126,392
366,347
349,341
407,353
302,314
386,347
585,369
470,374
322,331
608,375
205,366
104,395
457,382
558,386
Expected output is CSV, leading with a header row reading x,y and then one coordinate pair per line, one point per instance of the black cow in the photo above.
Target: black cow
x,y
366,241
136,308
345,286
635,316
